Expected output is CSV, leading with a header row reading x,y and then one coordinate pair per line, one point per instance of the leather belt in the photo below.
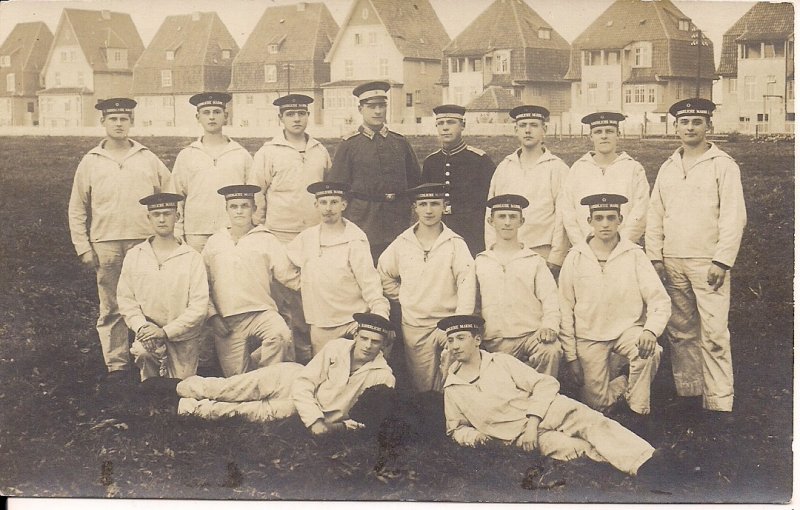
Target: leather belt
x,y
385,197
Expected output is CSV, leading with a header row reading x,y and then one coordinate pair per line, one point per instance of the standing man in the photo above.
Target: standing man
x,y
603,170
242,261
467,170
429,270
518,295
337,276
284,167
611,301
535,173
163,294
379,165
106,219
694,228
206,165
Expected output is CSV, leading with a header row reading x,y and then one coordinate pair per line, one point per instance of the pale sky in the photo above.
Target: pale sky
x,y
568,17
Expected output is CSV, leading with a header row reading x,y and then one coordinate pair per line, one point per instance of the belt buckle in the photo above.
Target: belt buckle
x,y
390,197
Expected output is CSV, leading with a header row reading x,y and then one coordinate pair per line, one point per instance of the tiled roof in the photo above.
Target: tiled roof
x,y
628,21
33,40
763,22
304,35
353,83
505,24
96,32
197,41
494,99
64,90
413,26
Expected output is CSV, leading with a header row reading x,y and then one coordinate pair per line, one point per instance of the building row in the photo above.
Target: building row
x,y
637,57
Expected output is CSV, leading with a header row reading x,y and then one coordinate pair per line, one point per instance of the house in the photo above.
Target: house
x,y
492,106
757,71
397,41
91,58
284,53
190,53
508,45
22,58
639,57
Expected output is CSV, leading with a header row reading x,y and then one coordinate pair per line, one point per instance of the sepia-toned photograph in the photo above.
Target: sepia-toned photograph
x,y
497,251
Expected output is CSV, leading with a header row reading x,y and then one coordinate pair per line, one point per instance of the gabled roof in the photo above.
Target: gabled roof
x,y
98,30
412,24
628,21
765,21
494,99
505,24
32,41
304,34
190,36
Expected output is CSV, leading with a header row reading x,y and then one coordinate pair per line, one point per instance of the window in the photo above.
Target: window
x,y
270,73
476,65
67,106
72,55
518,93
744,119
248,99
166,78
456,65
627,95
592,58
544,33
357,39
372,38
409,99
536,91
226,54
789,116
683,24
591,94
117,56
769,50
64,56
750,50
170,55
610,92
11,84
423,68
640,94
272,49
642,55
168,101
57,78
750,88
651,95
502,64
612,58
348,68
417,96
31,107
732,85
5,61
790,90
679,90
383,67
771,85
244,123
762,117
365,13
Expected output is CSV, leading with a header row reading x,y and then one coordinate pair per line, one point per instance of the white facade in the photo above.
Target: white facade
x,y
466,78
62,110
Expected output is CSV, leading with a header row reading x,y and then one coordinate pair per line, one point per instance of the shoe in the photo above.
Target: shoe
x,y
119,377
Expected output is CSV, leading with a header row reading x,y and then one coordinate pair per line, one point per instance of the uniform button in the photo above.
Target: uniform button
x,y
447,195
447,174
447,164
447,182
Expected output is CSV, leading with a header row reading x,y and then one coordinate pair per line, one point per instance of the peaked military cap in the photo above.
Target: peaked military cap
x,y
529,111
604,202
449,111
373,322
507,202
428,190
239,191
329,189
210,99
116,105
161,201
371,90
692,106
293,102
598,119
456,323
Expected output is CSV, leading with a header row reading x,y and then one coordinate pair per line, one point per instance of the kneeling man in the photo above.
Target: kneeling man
x,y
496,396
611,301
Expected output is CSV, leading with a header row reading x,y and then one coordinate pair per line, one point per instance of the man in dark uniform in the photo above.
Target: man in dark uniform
x,y
467,170
379,165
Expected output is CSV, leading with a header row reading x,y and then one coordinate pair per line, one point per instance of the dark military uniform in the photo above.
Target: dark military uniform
x,y
468,171
379,166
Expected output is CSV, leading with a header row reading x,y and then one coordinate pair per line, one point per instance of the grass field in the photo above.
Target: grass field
x,y
61,435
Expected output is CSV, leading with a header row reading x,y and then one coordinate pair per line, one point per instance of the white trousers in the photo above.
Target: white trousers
x,y
544,358
266,329
424,348
181,360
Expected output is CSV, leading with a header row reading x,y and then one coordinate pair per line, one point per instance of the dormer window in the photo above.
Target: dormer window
x,y
544,33
117,58
226,54
5,60
170,55
272,49
642,54
683,24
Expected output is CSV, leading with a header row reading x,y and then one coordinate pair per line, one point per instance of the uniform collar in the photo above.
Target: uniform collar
x,y
280,139
100,149
455,150
525,252
369,133
454,379
444,236
351,233
623,246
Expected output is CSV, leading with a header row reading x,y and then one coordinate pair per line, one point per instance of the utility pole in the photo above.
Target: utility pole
x,y
288,66
699,40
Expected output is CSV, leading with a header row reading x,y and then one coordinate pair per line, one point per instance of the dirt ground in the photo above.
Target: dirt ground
x,y
63,434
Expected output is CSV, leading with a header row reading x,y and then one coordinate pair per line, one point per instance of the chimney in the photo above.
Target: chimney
x,y
105,14
195,16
